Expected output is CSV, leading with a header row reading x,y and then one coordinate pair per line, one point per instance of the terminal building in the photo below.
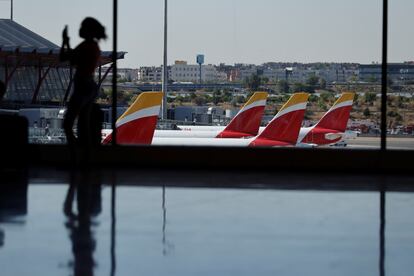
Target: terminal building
x,y
397,72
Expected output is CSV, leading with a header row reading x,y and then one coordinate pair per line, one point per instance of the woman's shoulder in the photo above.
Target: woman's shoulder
x,y
88,45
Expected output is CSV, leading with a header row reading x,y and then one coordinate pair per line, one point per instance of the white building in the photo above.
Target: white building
x,y
128,74
150,74
183,72
221,76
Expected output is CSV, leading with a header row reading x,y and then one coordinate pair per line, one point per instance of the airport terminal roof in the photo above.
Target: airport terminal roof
x,y
19,45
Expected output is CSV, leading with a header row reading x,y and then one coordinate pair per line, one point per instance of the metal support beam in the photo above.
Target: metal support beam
x,y
6,71
101,79
100,72
9,76
384,76
114,71
69,86
40,80
61,81
165,66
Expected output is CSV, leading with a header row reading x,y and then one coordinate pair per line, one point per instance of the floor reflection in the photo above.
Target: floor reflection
x,y
382,230
241,231
86,188
13,199
167,246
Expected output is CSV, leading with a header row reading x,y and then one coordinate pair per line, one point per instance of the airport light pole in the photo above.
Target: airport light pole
x,y
165,66
11,10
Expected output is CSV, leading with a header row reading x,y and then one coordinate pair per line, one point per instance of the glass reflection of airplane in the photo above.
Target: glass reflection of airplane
x,y
137,125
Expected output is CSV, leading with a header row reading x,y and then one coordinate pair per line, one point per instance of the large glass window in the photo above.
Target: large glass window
x,y
280,48
235,48
400,101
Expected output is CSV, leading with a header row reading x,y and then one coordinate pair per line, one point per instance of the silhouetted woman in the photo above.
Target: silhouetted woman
x,y
85,58
2,90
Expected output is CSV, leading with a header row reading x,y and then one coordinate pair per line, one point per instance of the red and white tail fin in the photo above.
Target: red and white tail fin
x,y
284,128
247,121
338,115
137,124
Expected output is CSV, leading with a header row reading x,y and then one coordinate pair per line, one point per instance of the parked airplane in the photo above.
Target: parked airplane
x,y
283,130
331,128
245,124
328,131
137,124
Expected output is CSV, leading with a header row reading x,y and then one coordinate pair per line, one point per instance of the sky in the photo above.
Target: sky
x,y
232,31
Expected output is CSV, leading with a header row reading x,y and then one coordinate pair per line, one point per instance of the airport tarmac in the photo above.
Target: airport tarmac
x,y
398,143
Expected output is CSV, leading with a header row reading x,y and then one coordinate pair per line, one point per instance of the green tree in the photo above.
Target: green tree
x,y
124,97
217,97
400,102
366,112
356,97
227,97
199,100
321,104
370,97
283,86
313,99
322,83
399,118
326,97
299,87
313,81
253,82
179,99
372,79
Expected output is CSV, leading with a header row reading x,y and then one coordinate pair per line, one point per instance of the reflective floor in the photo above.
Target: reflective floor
x,y
58,223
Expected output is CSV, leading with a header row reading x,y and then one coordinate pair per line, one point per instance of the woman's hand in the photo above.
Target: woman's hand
x,y
65,49
65,36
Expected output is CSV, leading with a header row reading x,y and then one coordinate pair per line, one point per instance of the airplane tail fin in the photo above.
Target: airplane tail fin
x,y
338,115
137,124
248,119
286,124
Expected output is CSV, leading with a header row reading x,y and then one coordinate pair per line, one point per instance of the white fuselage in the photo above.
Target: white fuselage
x,y
163,141
208,138
205,132
186,134
201,128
